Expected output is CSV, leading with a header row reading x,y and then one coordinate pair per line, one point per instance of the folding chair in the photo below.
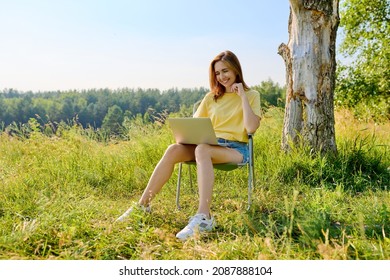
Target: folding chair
x,y
224,167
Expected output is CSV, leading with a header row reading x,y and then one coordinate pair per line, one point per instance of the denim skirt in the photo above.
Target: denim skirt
x,y
241,147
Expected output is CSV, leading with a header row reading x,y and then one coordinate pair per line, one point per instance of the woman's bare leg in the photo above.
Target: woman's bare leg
x,y
175,153
205,156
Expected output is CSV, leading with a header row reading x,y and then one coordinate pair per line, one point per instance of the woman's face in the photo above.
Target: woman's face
x,y
225,76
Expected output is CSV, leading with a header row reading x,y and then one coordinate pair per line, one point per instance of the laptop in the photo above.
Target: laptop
x,y
193,131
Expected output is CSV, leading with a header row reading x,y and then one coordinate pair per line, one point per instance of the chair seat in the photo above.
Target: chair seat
x,y
229,166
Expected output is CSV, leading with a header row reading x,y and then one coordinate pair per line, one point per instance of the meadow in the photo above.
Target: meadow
x,y
59,197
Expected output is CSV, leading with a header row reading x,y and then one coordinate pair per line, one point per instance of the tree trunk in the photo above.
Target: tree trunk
x,y
310,59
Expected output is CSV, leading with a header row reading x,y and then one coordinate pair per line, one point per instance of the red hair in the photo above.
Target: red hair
x,y
231,61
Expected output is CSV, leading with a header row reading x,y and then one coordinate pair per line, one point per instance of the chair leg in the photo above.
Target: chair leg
x,y
178,186
190,173
251,185
251,175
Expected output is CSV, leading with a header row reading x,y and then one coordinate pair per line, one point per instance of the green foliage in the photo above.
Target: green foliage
x,y
60,193
90,107
364,84
112,122
272,94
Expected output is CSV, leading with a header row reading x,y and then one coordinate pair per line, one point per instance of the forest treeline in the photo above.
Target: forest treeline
x,y
107,108
90,107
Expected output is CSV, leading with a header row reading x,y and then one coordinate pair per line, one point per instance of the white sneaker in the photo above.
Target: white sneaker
x,y
134,208
198,223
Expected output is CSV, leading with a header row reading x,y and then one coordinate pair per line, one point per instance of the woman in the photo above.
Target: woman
x,y
234,110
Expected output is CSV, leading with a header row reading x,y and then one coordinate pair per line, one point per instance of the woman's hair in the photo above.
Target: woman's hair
x,y
231,60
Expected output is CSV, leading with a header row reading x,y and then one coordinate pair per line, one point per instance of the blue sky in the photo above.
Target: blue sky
x,y
81,44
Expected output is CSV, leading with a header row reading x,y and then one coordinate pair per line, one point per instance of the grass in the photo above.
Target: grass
x,y
60,195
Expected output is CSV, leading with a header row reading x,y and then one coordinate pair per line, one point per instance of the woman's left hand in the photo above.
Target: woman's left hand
x,y
238,88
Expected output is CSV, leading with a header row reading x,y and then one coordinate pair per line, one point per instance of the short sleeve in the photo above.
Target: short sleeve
x,y
254,101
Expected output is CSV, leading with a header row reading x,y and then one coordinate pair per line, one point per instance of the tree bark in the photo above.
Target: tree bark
x,y
310,59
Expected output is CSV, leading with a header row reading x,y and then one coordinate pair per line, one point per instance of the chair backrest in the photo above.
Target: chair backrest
x,y
195,107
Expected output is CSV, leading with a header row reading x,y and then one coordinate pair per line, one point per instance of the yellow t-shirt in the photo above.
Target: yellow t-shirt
x,y
227,115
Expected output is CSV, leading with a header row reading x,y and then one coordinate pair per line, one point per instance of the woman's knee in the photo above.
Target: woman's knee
x,y
203,151
176,152
173,150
